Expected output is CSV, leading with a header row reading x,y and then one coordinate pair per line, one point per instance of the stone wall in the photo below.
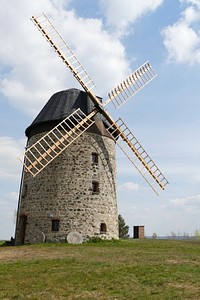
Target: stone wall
x,y
63,191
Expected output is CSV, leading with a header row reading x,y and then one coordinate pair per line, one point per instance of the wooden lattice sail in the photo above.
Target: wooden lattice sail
x,y
39,155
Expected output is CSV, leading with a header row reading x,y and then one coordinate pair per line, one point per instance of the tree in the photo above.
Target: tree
x,y
154,236
197,234
123,228
173,235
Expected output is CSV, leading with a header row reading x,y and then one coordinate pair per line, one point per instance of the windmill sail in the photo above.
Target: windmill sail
x,y
131,85
63,50
137,155
45,150
39,155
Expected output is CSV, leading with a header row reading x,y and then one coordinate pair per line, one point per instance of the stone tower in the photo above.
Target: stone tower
x,y
76,192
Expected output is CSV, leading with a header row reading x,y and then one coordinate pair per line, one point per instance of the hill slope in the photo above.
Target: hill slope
x,y
128,269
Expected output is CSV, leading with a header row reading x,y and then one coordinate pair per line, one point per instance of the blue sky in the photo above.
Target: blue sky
x,y
111,38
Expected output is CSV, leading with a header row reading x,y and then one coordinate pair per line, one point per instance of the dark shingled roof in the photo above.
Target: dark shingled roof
x,y
61,105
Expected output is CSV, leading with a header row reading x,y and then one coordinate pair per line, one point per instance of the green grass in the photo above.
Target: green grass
x,y
129,269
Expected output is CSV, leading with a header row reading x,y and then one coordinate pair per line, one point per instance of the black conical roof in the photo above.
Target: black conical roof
x,y
59,106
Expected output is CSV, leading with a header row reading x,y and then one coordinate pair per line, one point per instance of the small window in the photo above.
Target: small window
x,y
55,225
94,158
103,228
95,187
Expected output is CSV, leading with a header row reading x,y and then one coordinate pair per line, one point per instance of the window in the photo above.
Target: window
x,y
55,225
95,187
103,228
94,158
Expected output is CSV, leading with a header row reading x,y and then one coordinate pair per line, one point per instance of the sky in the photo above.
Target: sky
x,y
111,38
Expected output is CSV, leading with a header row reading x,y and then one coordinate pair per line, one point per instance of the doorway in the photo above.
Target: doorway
x,y
138,232
22,229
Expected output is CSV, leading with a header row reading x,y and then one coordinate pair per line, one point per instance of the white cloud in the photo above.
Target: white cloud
x,y
121,14
10,167
182,39
33,72
10,175
189,200
194,2
196,177
189,205
8,204
129,186
8,197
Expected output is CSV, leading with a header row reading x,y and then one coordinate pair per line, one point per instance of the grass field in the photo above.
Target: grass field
x,y
129,269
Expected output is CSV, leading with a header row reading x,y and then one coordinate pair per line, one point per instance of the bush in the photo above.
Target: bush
x,y
95,239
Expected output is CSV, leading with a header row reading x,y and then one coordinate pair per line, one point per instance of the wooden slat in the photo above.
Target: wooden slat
x,y
46,149
54,38
137,155
131,85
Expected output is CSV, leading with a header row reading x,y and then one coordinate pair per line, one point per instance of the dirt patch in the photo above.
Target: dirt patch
x,y
28,253
183,286
183,261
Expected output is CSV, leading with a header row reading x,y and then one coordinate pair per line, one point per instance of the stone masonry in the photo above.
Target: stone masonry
x,y
63,192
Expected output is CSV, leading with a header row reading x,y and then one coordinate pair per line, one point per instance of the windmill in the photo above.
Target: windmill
x,y
47,149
